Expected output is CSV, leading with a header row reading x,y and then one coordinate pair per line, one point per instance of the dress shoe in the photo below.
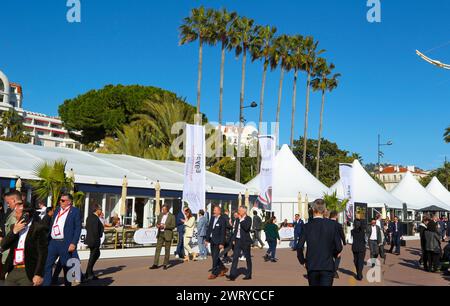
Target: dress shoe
x,y
154,267
336,275
232,279
223,272
247,278
212,276
166,267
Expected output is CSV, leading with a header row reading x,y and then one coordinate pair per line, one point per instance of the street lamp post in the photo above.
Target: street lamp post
x,y
241,123
380,153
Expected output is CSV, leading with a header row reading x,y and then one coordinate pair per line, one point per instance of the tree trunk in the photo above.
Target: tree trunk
x,y
280,91
219,145
305,132
294,101
261,112
199,81
319,141
238,159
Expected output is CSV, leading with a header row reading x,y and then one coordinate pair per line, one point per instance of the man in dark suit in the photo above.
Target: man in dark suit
x,y
166,224
323,245
298,227
215,236
242,243
340,229
180,229
28,243
257,228
395,232
94,233
64,235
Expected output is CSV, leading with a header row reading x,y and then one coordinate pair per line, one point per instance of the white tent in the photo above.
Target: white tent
x,y
289,178
366,190
411,192
105,169
439,191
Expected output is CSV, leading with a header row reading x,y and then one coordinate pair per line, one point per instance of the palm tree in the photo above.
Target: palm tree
x,y
197,27
278,56
308,64
52,181
323,82
294,62
261,47
241,37
447,135
221,23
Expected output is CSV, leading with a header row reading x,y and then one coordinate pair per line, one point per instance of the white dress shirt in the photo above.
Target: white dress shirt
x,y
373,236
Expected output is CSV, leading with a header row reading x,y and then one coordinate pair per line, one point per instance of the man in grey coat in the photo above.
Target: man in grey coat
x,y
202,227
257,228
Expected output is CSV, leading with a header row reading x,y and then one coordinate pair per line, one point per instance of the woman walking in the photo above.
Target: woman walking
x,y
189,224
272,237
358,248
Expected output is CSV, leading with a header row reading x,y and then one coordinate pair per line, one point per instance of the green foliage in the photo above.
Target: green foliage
x,y
442,174
100,113
13,123
52,181
227,167
447,135
330,157
333,203
78,199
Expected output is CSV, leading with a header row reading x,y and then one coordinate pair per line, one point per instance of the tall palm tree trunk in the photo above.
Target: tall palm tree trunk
x,y
294,102
199,81
320,134
261,113
305,132
238,159
219,146
280,92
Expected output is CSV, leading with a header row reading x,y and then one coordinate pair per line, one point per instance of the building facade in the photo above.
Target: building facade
x,y
44,130
392,175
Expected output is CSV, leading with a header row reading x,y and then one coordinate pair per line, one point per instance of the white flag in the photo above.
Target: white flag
x,y
194,168
346,174
267,145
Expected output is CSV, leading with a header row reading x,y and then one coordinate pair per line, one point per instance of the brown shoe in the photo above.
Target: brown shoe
x,y
212,276
223,272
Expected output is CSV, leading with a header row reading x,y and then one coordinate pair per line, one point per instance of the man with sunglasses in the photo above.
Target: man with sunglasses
x,y
64,235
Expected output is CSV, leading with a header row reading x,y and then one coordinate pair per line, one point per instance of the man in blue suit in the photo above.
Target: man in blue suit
x,y
180,229
64,235
395,231
298,227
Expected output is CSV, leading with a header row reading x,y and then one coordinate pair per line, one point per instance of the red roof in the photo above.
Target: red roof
x,y
392,169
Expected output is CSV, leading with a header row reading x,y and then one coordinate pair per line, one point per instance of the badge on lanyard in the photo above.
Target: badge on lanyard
x,y
19,257
56,230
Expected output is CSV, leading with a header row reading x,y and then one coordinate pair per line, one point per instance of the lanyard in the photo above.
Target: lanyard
x,y
63,213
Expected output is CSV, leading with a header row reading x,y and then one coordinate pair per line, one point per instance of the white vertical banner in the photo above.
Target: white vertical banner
x,y
346,174
194,168
267,145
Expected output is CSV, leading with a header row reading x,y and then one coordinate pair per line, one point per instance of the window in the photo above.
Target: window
x,y
40,133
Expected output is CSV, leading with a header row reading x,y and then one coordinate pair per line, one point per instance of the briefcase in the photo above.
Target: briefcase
x,y
403,243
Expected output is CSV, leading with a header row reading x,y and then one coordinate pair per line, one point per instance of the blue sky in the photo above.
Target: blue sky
x,y
385,87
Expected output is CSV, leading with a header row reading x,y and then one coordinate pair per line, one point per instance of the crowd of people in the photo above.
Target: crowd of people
x,y
36,244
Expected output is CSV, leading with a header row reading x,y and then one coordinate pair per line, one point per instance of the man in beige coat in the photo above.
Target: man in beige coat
x,y
165,224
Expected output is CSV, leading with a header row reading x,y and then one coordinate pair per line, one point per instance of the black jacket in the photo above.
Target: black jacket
x,y
257,223
341,233
421,229
246,226
36,249
94,231
379,234
323,244
216,235
359,240
432,241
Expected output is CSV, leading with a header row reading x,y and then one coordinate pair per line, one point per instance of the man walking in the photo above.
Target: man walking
x,y
340,230
421,229
202,228
179,252
323,245
257,228
396,235
298,227
94,229
64,236
166,224
12,199
375,241
215,236
242,243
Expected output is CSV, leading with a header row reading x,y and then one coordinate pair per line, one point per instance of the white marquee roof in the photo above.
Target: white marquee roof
x,y
367,190
436,188
105,169
411,192
290,178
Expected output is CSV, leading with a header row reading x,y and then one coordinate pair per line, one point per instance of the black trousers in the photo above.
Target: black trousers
x,y
245,249
433,260
320,278
216,262
93,257
424,258
358,260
